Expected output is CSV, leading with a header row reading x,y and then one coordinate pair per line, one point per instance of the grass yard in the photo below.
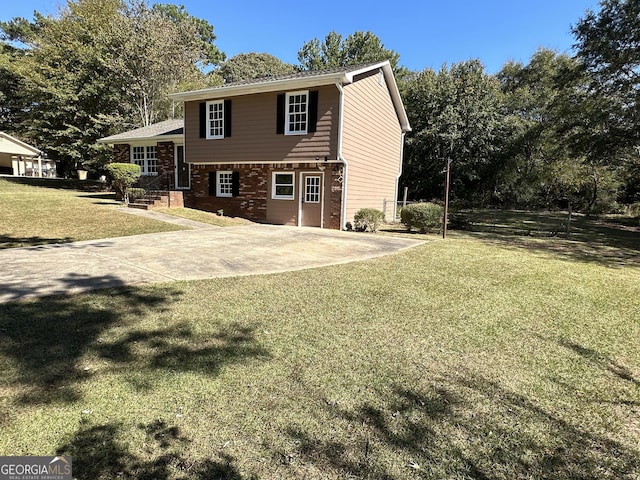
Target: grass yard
x,y
42,211
204,217
482,357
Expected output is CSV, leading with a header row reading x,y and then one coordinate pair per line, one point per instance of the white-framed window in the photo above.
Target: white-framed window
x,y
137,157
296,116
224,184
312,189
146,157
282,186
152,160
215,119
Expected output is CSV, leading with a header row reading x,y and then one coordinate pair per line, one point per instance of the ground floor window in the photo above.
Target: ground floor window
x,y
224,184
283,186
146,157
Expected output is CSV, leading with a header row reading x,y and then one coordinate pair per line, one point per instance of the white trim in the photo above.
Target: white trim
x,y
266,86
219,193
274,196
287,114
317,175
343,214
265,162
144,167
36,152
302,194
300,83
221,125
395,200
179,139
175,167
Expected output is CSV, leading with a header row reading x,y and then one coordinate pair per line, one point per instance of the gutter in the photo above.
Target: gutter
x,y
395,200
343,214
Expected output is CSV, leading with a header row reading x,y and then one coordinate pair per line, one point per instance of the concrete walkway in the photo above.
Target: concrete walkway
x,y
202,252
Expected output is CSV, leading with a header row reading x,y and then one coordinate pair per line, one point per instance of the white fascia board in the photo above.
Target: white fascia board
x,y
35,151
267,86
390,80
178,139
267,162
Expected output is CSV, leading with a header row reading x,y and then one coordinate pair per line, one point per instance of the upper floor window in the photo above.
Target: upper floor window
x,y
146,158
297,104
215,119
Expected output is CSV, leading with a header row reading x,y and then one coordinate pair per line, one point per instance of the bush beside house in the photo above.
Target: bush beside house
x,y
424,217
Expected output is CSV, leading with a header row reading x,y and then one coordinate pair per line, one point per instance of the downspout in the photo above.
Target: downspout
x,y
395,200
343,214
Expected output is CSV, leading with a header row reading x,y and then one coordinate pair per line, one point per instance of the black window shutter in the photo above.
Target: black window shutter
x,y
212,184
203,120
313,111
280,116
227,118
235,184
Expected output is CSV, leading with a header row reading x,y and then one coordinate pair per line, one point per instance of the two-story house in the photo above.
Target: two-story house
x,y
307,149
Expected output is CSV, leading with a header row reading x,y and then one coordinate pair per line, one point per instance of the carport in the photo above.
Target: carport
x,y
21,159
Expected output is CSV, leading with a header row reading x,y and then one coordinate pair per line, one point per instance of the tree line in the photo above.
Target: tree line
x,y
559,131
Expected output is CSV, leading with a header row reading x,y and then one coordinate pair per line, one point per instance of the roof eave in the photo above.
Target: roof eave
x,y
390,79
266,86
157,138
36,151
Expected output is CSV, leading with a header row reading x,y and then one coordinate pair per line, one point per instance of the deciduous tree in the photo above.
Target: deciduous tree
x,y
245,66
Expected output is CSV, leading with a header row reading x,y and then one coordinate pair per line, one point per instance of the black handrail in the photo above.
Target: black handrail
x,y
162,182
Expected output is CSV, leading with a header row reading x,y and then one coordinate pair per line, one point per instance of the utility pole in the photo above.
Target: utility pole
x,y
446,200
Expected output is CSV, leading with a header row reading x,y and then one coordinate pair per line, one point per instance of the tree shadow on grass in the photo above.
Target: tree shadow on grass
x,y
59,183
49,346
177,349
98,452
607,241
43,340
468,427
601,361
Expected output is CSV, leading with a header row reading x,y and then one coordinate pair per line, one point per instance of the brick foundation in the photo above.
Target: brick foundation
x,y
166,166
251,203
335,201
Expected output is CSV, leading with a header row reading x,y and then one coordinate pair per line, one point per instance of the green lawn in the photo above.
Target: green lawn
x,y
41,211
486,356
204,217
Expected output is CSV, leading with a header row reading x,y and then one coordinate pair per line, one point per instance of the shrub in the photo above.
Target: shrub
x,y
368,219
123,175
424,217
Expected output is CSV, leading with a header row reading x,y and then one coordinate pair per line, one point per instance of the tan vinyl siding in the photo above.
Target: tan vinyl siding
x,y
372,140
253,134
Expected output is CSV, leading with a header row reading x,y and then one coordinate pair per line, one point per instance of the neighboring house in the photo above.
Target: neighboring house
x,y
306,149
20,159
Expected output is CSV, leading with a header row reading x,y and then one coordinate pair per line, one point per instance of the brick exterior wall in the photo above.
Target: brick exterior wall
x,y
251,203
335,201
166,166
121,153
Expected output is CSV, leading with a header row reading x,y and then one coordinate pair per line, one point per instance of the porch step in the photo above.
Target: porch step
x,y
141,206
155,199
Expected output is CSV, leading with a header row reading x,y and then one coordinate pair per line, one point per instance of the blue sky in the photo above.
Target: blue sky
x,y
426,33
